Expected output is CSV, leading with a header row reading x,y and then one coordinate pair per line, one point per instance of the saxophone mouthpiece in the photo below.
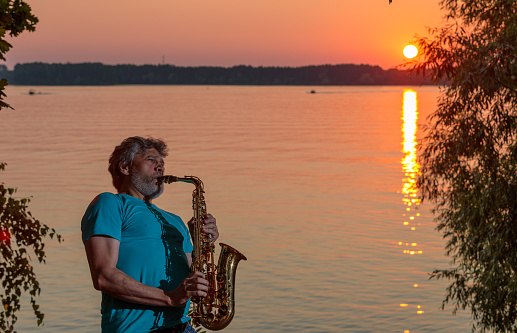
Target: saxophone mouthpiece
x,y
167,179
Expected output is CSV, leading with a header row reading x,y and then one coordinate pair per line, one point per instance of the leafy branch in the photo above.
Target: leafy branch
x,y
469,156
20,235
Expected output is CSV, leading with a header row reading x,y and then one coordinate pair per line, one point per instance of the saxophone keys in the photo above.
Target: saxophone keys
x,y
223,310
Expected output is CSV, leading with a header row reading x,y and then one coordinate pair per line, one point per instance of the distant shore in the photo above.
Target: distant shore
x,y
99,74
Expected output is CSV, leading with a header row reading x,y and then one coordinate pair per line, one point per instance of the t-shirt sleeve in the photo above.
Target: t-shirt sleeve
x,y
102,217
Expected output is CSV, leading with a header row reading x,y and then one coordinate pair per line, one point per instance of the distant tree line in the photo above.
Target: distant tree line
x,y
99,74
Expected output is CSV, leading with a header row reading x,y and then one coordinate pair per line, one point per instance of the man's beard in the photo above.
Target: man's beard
x,y
146,185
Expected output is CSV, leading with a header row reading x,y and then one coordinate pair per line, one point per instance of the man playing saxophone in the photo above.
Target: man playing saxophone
x,y
140,255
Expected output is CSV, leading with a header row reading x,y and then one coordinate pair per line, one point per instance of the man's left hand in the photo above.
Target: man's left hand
x,y
209,226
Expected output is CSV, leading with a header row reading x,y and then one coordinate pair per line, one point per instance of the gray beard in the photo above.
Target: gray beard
x,y
147,186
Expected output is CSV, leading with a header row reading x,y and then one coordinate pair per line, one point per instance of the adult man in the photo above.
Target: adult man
x,y
140,255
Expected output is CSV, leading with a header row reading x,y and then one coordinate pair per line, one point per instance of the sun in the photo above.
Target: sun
x,y
410,51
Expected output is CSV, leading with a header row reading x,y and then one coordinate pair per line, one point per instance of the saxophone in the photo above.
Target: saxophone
x,y
216,310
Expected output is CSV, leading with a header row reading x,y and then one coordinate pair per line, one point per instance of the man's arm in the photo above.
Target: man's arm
x,y
102,254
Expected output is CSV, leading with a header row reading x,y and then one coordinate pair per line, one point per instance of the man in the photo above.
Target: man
x,y
140,255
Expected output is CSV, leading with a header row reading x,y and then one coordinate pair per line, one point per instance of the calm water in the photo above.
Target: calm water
x,y
313,188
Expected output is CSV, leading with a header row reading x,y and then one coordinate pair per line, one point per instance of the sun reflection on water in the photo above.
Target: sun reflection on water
x,y
410,165
411,170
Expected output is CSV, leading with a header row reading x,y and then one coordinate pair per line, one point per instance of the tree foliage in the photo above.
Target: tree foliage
x,y
469,156
21,235
15,17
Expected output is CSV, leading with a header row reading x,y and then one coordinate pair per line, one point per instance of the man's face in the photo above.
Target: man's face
x,y
145,169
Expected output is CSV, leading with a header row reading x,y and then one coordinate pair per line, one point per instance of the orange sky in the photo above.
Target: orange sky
x,y
224,32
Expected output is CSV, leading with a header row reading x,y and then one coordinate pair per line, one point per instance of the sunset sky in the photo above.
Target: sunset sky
x,y
224,32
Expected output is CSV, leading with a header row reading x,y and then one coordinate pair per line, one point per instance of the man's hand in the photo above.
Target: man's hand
x,y
209,227
194,285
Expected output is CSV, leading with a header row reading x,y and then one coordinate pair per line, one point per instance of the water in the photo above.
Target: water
x,y
312,188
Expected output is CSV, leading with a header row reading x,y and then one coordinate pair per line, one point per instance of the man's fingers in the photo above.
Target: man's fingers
x,y
209,219
210,227
197,281
197,293
196,274
197,286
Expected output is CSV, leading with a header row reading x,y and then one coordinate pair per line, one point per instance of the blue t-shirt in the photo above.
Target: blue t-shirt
x,y
152,250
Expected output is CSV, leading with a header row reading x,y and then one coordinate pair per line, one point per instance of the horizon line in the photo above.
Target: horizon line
x,y
214,66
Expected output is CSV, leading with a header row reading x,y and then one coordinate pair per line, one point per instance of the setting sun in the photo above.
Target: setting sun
x,y
410,51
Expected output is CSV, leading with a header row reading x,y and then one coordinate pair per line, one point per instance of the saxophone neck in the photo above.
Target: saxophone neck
x,y
185,179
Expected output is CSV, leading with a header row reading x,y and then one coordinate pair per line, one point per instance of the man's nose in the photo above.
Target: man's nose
x,y
160,167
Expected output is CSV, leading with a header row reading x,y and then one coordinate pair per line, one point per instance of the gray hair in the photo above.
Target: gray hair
x,y
124,154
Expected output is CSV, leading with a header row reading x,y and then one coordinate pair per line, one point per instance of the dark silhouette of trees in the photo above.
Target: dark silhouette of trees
x,y
469,156
15,17
99,74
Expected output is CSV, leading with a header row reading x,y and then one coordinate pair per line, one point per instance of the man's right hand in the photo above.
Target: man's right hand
x,y
194,285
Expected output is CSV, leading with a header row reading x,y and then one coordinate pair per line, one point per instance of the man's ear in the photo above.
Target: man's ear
x,y
124,169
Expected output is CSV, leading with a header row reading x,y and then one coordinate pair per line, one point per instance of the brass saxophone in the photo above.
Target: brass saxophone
x,y
215,311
